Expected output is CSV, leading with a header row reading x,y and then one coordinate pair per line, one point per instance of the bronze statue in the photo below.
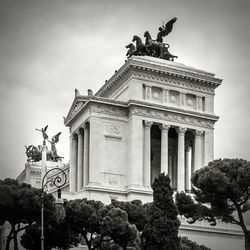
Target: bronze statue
x,y
155,48
140,46
34,153
45,136
131,50
165,30
54,140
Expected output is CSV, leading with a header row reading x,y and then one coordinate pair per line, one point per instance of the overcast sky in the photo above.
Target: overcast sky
x,y
49,48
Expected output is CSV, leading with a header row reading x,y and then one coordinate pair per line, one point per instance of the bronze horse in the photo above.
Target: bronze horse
x,y
131,50
154,48
140,46
158,49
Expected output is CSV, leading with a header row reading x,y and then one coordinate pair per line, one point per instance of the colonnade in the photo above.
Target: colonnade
x,y
79,159
184,154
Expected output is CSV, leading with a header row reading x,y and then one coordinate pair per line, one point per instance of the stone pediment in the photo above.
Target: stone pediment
x,y
94,103
75,108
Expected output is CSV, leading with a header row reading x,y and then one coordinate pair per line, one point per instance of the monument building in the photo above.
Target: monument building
x,y
151,116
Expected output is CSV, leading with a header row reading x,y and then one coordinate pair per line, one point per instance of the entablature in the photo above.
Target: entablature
x,y
161,71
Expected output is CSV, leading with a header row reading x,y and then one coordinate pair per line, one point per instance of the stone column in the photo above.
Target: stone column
x,y
188,168
198,149
147,154
80,160
164,148
73,161
181,159
86,155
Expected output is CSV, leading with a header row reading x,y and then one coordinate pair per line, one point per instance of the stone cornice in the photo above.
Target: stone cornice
x,y
147,110
157,68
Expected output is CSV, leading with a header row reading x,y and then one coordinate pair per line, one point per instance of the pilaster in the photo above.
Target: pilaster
x,y
86,155
147,154
73,163
79,160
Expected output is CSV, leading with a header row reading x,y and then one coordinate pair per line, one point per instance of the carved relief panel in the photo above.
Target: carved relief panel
x,y
190,101
174,98
156,94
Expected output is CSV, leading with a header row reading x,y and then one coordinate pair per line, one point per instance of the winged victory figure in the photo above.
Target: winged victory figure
x,y
53,142
165,30
45,136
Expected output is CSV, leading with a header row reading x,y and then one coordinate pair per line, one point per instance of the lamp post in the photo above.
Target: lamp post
x,y
58,182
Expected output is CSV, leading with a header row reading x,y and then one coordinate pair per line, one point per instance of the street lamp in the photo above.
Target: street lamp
x,y
58,182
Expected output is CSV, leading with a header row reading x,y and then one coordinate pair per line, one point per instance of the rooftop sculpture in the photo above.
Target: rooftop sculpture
x,y
34,153
156,48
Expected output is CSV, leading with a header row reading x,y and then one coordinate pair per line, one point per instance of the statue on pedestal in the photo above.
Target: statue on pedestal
x,y
34,153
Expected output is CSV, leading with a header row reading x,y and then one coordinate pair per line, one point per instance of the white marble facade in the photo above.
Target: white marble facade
x,y
151,116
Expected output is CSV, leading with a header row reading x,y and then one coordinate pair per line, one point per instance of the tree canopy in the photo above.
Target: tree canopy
x,y
20,207
161,231
222,190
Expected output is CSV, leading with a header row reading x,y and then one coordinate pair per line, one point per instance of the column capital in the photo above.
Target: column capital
x,y
164,127
148,124
78,132
199,133
84,126
73,136
181,130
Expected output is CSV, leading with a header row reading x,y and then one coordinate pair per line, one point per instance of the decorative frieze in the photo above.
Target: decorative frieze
x,y
167,116
110,110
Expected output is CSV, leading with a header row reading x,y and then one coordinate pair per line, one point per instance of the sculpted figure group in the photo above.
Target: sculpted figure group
x,y
155,48
34,153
